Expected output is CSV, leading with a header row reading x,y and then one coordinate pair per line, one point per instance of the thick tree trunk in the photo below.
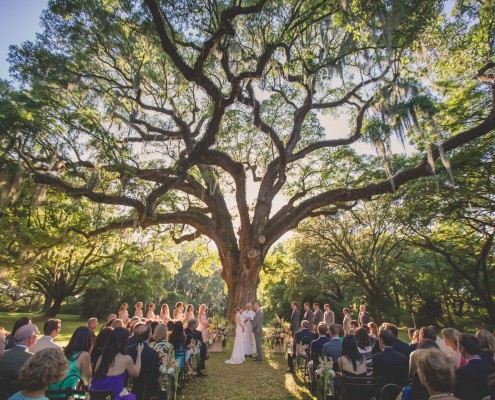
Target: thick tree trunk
x,y
374,303
243,284
47,303
55,308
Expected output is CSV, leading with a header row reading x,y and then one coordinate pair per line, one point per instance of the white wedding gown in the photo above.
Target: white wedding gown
x,y
237,356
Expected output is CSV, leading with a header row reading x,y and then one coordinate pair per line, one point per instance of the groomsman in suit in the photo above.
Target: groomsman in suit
x,y
317,315
294,318
364,316
308,315
328,316
257,330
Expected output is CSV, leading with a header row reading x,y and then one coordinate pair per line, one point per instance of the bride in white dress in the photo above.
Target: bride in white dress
x,y
237,356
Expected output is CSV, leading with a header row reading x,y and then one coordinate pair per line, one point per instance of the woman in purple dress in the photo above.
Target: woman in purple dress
x,y
115,365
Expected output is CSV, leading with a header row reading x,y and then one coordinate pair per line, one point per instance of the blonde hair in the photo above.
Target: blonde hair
x,y
435,370
373,328
451,334
202,308
486,340
44,368
160,332
122,306
163,308
139,303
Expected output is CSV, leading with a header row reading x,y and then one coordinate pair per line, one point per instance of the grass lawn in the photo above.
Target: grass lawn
x,y
69,323
250,380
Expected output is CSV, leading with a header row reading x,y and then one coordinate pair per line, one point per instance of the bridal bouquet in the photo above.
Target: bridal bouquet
x,y
169,372
326,374
218,330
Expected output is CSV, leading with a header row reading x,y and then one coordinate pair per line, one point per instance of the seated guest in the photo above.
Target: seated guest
x,y
51,329
413,344
333,348
487,345
97,349
93,324
436,373
77,354
190,336
302,337
399,345
353,325
178,339
14,358
418,390
37,373
316,348
145,385
441,344
117,323
450,337
160,344
373,330
389,365
363,343
198,336
3,335
351,362
111,317
471,379
9,340
115,365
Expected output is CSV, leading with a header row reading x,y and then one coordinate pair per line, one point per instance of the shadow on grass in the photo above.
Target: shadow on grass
x,y
249,380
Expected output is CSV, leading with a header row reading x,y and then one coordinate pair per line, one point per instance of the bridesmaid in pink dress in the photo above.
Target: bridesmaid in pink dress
x,y
139,310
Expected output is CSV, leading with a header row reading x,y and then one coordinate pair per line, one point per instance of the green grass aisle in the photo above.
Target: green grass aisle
x,y
265,380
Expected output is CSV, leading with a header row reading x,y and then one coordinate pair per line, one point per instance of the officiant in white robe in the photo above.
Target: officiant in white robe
x,y
247,317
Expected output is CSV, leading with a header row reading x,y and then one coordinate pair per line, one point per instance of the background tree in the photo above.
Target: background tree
x,y
161,110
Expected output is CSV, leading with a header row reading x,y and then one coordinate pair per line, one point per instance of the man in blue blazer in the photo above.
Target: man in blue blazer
x,y
333,348
317,347
304,336
389,364
472,378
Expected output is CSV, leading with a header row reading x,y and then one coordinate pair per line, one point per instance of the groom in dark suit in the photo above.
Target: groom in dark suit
x,y
257,330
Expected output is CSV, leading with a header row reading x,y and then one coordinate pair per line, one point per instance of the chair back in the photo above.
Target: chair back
x,y
69,393
390,391
357,387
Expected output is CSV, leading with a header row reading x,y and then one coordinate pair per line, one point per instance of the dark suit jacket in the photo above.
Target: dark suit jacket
x,y
363,318
10,364
317,317
308,316
471,380
392,366
317,346
304,336
294,321
146,384
333,349
402,348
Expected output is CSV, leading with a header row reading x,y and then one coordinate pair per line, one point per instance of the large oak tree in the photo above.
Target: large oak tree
x,y
200,115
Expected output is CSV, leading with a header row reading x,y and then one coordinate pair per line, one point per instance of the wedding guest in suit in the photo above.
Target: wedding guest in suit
x,y
333,348
294,318
418,389
51,329
317,315
145,385
9,340
346,323
472,378
389,364
41,370
308,314
364,316
399,345
436,374
328,316
316,348
302,337
258,330
14,358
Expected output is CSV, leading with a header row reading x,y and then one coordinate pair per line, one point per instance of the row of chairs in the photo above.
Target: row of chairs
x,y
350,387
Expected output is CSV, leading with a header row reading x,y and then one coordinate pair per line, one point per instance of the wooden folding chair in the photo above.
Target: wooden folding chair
x,y
69,393
356,387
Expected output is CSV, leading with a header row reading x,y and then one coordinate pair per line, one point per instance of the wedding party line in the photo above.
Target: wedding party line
x,y
154,356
